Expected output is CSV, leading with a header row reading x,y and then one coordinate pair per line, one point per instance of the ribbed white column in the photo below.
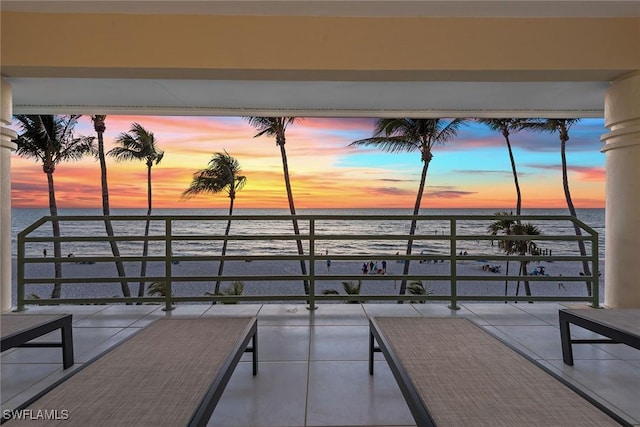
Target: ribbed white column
x,y
622,150
6,135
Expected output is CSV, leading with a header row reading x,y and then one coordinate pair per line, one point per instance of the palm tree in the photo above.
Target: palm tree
x,y
140,144
417,288
406,135
522,247
502,225
221,174
100,127
350,288
506,126
519,247
562,126
276,127
51,140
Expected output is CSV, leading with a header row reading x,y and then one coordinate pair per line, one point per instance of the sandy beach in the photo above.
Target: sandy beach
x,y
254,283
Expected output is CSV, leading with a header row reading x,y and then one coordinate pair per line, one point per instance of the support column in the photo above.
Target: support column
x,y
6,146
622,221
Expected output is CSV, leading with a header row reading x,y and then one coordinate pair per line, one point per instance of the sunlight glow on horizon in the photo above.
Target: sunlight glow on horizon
x,y
472,171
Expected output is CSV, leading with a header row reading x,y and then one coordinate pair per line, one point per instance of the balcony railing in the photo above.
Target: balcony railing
x,y
262,253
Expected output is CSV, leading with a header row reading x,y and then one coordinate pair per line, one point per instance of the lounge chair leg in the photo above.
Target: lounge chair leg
x,y
255,354
565,338
67,345
371,350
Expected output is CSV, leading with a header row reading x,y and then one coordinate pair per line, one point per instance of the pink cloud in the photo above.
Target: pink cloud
x,y
449,194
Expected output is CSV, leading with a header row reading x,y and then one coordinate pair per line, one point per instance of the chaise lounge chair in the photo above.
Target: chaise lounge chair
x,y
173,372
619,325
17,330
452,372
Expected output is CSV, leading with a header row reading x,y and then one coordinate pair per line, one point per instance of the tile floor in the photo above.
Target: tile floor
x,y
313,365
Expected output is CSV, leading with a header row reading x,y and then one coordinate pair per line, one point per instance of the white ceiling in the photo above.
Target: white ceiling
x,y
319,98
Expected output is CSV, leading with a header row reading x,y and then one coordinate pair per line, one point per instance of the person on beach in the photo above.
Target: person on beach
x,y
328,265
384,267
44,252
364,268
371,270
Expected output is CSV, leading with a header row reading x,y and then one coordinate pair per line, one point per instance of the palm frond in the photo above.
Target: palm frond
x,y
352,288
138,144
389,144
221,174
270,126
51,138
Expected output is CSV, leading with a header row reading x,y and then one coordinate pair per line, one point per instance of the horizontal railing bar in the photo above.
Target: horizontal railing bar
x,y
306,237
81,239
302,297
294,278
317,217
267,258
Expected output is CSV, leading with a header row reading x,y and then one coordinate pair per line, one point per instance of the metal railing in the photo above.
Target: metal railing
x,y
185,252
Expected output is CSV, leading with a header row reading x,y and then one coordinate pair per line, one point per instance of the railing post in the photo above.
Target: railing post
x,y
595,269
312,265
168,254
454,268
20,272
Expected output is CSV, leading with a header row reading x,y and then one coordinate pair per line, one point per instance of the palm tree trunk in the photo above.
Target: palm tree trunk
x,y
523,272
224,248
145,245
518,198
124,285
414,223
57,248
572,210
292,209
515,176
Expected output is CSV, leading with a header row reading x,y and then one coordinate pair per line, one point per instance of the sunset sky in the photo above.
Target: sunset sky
x,y
471,171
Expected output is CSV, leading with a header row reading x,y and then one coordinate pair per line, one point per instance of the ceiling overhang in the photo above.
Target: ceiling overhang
x,y
455,58
308,98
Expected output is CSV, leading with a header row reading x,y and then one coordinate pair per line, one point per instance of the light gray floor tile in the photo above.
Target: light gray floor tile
x,y
87,352
547,312
443,310
109,320
339,314
75,309
544,341
233,310
33,355
391,310
284,314
283,343
339,343
504,314
133,310
18,377
343,393
184,310
621,351
275,397
616,382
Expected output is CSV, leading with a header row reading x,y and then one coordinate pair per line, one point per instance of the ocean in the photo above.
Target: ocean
x,y
23,217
